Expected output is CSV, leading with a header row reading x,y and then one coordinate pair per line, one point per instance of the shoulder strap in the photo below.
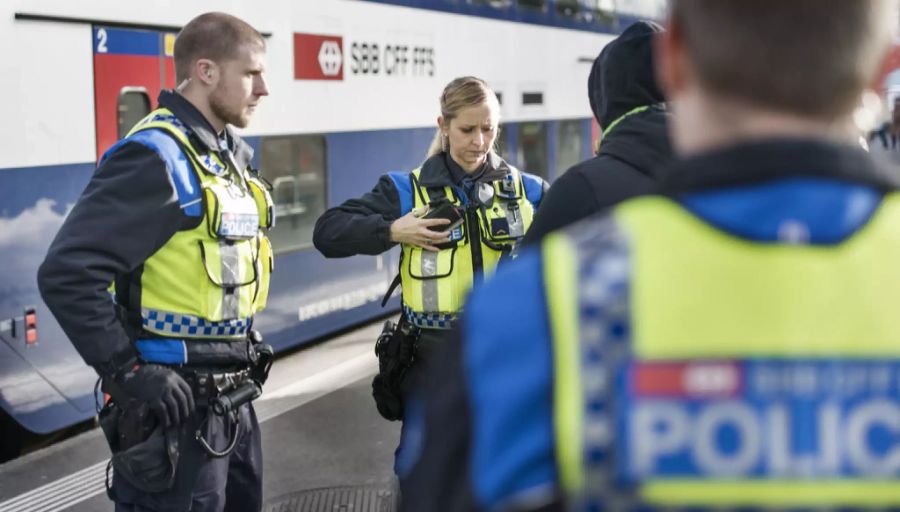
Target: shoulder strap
x,y
178,165
390,291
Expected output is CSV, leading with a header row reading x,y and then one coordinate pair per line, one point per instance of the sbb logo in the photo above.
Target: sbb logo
x,y
330,58
318,57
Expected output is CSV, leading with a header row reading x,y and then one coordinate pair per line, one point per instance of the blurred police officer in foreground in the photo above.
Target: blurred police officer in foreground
x,y
157,272
731,342
630,109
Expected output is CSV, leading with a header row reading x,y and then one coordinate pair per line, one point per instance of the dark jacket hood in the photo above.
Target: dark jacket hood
x,y
622,78
641,140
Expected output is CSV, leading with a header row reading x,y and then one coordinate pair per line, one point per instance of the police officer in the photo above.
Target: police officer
x,y
442,255
631,112
729,344
157,272
884,141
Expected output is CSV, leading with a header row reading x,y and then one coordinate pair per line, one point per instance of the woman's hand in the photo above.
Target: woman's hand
x,y
413,230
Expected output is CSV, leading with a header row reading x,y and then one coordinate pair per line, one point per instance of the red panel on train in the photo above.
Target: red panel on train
x,y
112,73
318,57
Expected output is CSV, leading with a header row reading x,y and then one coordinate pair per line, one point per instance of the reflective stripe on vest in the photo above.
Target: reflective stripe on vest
x,y
435,284
701,300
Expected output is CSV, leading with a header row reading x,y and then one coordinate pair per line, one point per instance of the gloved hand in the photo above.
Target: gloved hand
x,y
164,391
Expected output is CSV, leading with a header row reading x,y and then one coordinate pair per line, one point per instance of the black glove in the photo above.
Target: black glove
x,y
164,391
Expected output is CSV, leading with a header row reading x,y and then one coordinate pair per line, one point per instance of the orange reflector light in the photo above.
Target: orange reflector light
x,y
30,326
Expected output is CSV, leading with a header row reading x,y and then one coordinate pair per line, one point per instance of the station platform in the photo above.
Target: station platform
x,y
324,445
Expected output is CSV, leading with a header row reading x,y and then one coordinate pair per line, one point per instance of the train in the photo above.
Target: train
x,y
354,94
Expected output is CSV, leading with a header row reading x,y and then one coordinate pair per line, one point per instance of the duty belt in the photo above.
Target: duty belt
x,y
197,353
209,384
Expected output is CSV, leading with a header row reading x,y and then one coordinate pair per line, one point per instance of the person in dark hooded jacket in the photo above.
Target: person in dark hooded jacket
x,y
631,112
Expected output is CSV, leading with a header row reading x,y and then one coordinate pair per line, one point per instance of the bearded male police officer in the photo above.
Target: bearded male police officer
x,y
729,344
173,218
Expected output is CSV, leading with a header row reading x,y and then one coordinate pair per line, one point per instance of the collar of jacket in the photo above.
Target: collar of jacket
x,y
436,173
201,131
641,141
766,160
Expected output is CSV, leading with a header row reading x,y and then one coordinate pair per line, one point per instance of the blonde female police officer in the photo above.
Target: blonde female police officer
x,y
439,265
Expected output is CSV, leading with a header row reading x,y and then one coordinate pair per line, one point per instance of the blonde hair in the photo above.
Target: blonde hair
x,y
461,93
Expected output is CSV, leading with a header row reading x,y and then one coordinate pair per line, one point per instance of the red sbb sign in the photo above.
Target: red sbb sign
x,y
318,57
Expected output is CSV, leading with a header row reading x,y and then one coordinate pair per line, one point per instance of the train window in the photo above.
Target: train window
x,y
133,105
601,11
496,4
568,145
533,148
295,165
533,4
568,8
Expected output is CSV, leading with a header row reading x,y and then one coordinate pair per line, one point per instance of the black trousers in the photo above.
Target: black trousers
x,y
430,342
202,483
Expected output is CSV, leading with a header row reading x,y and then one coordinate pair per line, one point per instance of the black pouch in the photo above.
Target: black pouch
x,y
395,348
145,454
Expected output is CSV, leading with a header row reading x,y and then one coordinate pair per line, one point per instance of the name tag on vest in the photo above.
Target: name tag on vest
x,y
239,219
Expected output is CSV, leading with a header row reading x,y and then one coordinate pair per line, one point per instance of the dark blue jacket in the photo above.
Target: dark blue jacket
x,y
128,211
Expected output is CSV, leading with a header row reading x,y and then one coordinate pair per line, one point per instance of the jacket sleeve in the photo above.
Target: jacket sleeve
x,y
359,226
569,199
127,212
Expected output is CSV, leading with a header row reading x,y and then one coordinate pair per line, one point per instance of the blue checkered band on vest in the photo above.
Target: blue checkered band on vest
x,y
189,326
430,320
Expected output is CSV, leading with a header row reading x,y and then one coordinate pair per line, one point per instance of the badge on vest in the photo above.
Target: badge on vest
x,y
238,214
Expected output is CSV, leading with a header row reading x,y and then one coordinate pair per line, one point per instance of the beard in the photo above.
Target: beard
x,y
229,114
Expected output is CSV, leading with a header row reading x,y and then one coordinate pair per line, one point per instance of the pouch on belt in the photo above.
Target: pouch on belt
x,y
144,453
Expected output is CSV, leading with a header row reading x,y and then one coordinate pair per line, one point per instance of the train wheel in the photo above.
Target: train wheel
x,y
13,438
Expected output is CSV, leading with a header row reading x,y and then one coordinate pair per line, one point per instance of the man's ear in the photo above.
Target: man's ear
x,y
206,71
669,56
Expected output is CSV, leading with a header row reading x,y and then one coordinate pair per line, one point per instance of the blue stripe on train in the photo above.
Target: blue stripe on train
x,y
116,41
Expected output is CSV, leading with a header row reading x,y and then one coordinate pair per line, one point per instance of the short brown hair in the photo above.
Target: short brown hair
x,y
809,57
215,36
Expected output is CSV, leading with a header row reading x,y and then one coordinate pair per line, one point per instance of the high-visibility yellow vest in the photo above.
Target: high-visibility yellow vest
x,y
701,300
209,281
435,284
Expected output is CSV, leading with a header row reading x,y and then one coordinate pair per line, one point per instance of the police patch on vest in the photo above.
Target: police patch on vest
x,y
238,214
758,421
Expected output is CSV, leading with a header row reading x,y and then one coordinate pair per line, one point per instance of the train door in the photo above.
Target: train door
x,y
130,68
